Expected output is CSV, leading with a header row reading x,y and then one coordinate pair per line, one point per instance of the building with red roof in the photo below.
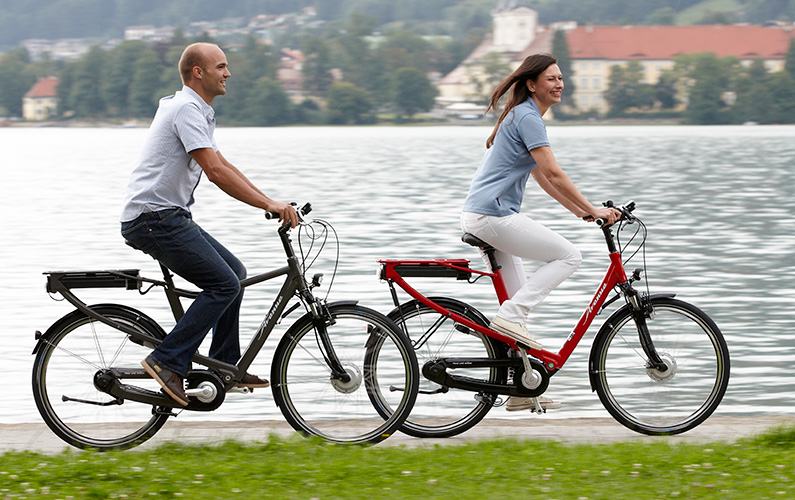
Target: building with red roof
x,y
41,101
595,49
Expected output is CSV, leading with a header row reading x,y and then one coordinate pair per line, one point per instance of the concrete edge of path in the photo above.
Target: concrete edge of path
x,y
37,437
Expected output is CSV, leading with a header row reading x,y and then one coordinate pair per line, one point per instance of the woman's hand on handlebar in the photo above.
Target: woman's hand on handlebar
x,y
610,215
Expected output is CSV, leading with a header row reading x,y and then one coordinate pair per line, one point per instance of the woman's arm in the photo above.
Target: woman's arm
x,y
558,185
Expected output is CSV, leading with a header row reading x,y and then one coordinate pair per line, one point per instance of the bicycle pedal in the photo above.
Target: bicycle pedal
x,y
241,390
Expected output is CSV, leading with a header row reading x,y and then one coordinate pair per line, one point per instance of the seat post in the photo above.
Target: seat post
x,y
173,299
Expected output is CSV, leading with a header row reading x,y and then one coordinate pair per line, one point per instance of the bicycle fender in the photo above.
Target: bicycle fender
x,y
608,324
42,338
446,302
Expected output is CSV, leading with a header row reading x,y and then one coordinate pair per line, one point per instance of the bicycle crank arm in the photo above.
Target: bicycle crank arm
x,y
108,382
436,371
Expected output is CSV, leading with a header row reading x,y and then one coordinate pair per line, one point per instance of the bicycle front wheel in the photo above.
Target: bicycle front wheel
x,y
652,401
68,357
441,411
316,403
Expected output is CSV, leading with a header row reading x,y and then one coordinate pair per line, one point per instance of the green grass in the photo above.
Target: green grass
x,y
759,468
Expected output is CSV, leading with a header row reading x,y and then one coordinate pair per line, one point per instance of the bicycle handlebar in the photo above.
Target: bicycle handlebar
x,y
301,211
625,209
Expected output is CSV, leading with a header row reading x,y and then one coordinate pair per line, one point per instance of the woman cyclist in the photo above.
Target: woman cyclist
x,y
517,148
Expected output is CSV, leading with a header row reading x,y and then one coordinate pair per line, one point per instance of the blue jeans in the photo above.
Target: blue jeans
x,y
171,237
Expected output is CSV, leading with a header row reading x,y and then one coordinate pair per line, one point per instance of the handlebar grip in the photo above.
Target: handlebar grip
x,y
301,211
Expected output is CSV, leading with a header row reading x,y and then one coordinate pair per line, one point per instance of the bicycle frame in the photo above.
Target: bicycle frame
x,y
64,282
553,361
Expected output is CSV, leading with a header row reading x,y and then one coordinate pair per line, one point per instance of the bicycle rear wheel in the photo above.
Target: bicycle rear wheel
x,y
68,356
657,402
441,411
315,403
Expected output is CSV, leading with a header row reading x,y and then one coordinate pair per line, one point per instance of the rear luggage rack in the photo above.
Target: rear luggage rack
x,y
437,268
127,278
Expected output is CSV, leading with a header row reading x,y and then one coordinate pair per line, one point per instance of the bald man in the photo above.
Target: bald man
x,y
156,219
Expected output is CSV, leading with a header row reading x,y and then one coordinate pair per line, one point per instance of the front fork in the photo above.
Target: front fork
x,y
641,311
321,320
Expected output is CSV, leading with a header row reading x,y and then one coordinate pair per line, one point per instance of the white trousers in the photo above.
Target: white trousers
x,y
516,237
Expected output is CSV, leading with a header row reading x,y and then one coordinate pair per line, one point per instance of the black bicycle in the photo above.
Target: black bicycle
x,y
92,392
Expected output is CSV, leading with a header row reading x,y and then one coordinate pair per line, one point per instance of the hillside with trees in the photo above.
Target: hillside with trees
x,y
23,19
365,60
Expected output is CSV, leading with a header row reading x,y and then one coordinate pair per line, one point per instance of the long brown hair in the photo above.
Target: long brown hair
x,y
530,69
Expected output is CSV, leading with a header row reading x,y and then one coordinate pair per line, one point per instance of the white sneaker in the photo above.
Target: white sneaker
x,y
516,331
518,404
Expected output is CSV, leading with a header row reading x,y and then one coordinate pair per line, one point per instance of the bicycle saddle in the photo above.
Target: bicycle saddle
x,y
471,239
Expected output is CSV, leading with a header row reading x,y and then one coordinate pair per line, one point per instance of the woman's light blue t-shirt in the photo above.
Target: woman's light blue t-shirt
x,y
498,186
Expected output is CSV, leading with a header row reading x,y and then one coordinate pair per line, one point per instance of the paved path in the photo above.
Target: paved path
x,y
37,437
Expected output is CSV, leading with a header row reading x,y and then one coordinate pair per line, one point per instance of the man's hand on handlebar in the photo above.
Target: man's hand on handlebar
x,y
286,211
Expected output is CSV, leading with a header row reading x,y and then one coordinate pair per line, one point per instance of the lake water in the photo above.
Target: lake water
x,y
719,203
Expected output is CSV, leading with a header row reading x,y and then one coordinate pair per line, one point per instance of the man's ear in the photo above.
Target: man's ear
x,y
197,72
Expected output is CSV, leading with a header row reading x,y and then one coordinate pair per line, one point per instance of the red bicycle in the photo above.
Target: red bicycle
x,y
659,365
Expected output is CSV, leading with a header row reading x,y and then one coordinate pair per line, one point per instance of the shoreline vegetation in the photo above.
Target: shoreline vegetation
x,y
760,467
429,122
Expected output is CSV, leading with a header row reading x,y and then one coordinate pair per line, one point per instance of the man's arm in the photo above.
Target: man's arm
x,y
232,181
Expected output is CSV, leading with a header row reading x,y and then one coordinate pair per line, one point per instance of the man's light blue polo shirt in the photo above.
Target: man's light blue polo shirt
x,y
499,183
166,175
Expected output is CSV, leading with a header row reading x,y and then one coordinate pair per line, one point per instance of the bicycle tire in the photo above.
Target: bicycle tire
x,y
68,356
656,402
316,404
441,412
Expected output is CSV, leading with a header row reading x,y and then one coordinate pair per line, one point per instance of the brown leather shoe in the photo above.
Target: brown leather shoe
x,y
252,381
170,382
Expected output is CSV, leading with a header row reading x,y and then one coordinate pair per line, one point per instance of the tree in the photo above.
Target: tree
x,y
711,77
412,91
142,97
560,48
86,93
405,49
665,89
317,66
116,78
16,78
348,103
358,62
781,87
665,16
268,105
789,60
626,89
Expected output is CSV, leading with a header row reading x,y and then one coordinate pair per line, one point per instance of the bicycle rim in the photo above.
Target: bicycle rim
x,y
75,349
315,403
441,411
662,402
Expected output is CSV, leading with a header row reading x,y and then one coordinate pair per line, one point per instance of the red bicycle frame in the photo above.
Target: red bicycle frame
x,y
615,276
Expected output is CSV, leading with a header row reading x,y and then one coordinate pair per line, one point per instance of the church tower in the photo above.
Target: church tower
x,y
514,25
